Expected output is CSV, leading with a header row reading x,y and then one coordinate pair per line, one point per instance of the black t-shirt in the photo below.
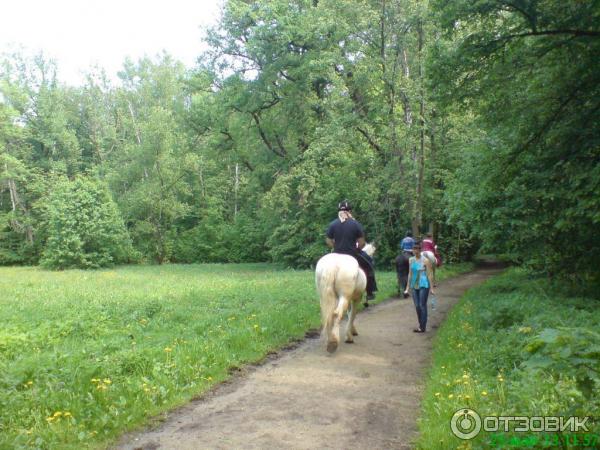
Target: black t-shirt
x,y
345,234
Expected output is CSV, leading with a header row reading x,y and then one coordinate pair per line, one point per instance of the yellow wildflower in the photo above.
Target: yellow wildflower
x,y
484,393
451,396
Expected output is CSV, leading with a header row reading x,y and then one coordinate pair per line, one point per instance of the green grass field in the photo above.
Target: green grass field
x,y
87,355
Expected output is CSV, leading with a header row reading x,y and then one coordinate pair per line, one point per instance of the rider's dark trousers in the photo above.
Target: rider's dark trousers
x,y
366,265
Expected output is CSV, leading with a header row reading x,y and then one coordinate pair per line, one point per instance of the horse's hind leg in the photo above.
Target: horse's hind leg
x,y
350,329
333,334
328,331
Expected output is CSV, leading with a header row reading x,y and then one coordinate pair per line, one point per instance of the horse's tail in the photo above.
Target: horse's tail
x,y
325,280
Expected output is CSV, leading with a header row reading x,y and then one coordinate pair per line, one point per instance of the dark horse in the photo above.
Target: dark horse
x,y
402,271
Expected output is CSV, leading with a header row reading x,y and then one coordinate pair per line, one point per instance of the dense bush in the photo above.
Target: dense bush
x,y
85,229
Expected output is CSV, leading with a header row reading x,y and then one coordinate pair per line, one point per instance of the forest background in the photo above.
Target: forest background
x,y
476,120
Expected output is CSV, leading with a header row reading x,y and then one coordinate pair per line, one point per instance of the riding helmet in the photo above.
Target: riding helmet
x,y
344,206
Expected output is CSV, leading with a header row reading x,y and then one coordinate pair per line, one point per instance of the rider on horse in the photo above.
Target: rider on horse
x,y
430,249
406,245
346,235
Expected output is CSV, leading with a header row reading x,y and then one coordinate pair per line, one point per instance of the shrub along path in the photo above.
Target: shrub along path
x,y
366,395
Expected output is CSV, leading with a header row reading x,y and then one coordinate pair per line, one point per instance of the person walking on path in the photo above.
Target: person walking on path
x,y
346,235
420,281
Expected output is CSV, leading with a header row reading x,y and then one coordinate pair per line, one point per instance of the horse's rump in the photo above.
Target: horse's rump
x,y
431,257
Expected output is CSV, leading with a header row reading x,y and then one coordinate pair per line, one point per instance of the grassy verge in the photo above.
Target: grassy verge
x,y
512,347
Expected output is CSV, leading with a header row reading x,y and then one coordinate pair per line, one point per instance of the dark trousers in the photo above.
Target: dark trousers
x,y
420,298
367,266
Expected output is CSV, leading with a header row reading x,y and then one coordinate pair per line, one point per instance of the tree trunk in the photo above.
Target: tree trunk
x,y
16,204
418,212
236,186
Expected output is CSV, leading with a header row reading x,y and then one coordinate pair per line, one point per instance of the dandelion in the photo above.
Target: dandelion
x,y
451,396
168,349
29,383
107,381
484,393
465,376
437,394
67,414
467,397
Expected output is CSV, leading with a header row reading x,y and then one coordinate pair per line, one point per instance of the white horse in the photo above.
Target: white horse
x,y
433,260
340,284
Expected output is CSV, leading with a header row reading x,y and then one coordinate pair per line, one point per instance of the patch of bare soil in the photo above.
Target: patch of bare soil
x,y
364,396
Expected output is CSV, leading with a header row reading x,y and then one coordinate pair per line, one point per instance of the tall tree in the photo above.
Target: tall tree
x,y
529,183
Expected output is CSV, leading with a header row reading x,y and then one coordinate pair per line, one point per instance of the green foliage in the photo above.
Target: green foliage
x,y
294,107
524,76
473,119
85,229
513,347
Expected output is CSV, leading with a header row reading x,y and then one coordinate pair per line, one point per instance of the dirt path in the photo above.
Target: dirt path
x,y
364,396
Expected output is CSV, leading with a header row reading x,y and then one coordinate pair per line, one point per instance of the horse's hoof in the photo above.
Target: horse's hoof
x,y
349,341
354,333
332,347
